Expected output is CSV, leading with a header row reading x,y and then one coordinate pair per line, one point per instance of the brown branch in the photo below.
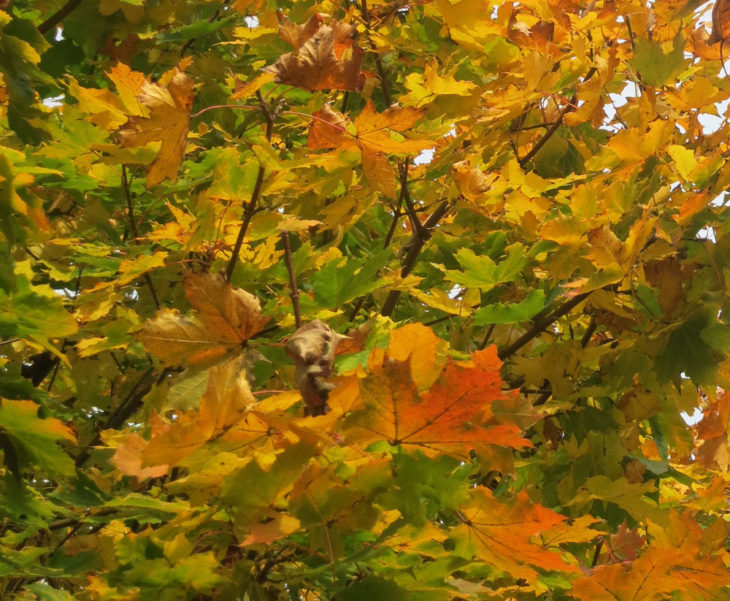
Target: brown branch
x,y
406,196
250,208
487,336
391,231
414,247
293,290
554,127
58,16
540,323
588,334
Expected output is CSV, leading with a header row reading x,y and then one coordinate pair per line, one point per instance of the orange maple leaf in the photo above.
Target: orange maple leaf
x,y
502,535
454,415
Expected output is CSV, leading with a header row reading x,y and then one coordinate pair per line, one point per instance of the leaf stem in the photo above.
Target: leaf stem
x,y
293,290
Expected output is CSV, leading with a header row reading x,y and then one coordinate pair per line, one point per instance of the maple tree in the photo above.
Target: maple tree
x,y
364,299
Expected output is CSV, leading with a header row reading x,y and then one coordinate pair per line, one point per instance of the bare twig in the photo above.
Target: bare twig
x,y
293,290
487,336
588,334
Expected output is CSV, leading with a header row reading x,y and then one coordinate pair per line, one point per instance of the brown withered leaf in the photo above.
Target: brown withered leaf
x,y
328,60
169,103
313,348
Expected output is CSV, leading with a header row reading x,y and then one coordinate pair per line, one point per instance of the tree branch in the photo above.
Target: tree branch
x,y
58,16
133,225
293,290
554,127
540,323
126,409
414,247
250,208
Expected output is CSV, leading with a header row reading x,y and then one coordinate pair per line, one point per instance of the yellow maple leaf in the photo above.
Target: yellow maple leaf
x,y
169,107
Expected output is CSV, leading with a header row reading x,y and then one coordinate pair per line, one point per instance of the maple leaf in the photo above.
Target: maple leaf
x,y
29,439
329,59
454,414
470,181
500,534
168,104
297,35
226,318
371,137
222,406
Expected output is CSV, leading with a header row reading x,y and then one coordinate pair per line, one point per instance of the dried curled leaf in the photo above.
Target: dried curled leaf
x,y
313,348
720,21
328,60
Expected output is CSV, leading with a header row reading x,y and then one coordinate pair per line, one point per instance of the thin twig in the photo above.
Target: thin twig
x,y
213,107
570,106
133,225
406,196
597,552
250,208
65,340
293,290
58,16
356,309
540,323
393,225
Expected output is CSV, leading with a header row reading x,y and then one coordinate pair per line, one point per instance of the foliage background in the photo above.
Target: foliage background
x,y
512,210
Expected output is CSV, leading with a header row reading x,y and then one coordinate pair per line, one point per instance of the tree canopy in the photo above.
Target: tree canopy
x,y
364,299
